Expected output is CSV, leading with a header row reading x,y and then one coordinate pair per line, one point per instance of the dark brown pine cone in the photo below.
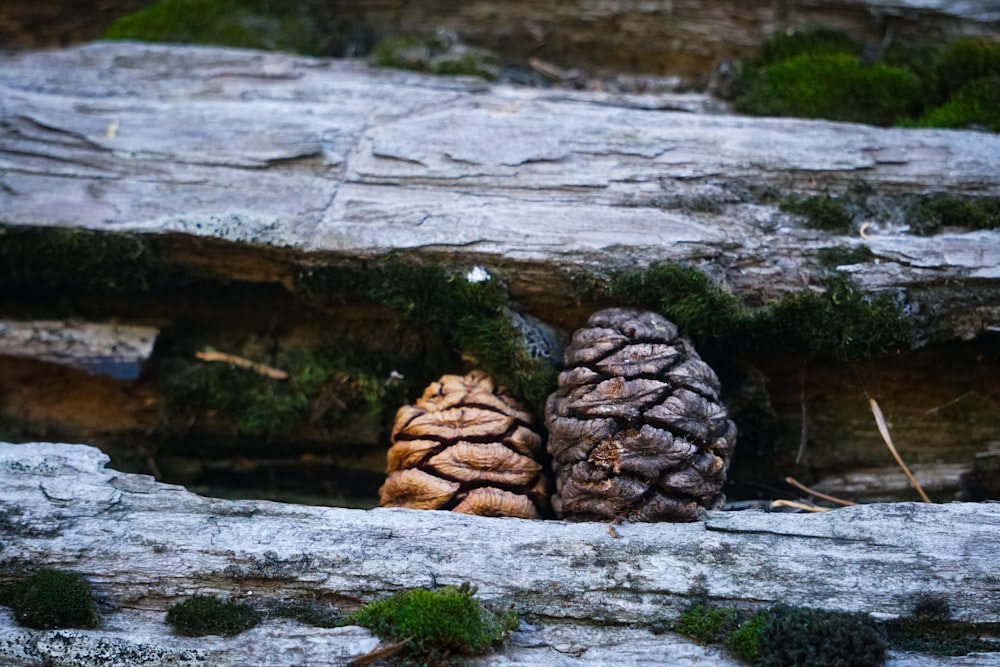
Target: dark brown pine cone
x,y
469,448
636,429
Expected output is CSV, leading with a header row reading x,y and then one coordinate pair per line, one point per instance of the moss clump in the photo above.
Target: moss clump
x,y
822,212
435,55
744,641
837,86
79,260
683,294
930,213
707,623
835,256
974,106
929,629
202,615
842,322
801,637
787,636
470,317
51,599
824,74
436,623
258,24
325,384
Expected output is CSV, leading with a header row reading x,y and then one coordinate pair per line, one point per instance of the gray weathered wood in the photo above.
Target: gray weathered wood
x,y
333,157
144,545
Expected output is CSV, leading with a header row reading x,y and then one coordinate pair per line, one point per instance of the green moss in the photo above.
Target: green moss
x,y
79,260
745,641
470,317
325,384
930,213
963,62
815,41
821,74
683,294
307,612
801,637
835,256
821,212
841,322
51,599
976,105
447,620
202,615
929,629
435,55
259,24
832,85
706,623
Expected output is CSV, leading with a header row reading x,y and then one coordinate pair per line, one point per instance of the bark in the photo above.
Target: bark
x,y
144,545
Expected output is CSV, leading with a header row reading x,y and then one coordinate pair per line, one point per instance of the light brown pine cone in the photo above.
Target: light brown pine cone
x,y
466,447
636,428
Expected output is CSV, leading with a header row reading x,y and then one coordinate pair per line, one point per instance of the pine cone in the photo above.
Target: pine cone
x,y
636,429
469,448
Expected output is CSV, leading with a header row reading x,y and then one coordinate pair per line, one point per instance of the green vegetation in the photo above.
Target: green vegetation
x,y
842,322
930,213
257,24
821,212
930,629
79,259
325,383
202,615
435,55
307,612
835,86
707,623
835,256
825,74
436,623
51,599
470,317
786,636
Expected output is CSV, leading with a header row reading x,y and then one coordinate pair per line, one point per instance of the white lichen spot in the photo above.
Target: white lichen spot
x,y
477,274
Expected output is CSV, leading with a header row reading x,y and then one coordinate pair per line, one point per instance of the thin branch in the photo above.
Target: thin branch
x,y
822,496
379,653
799,506
884,430
267,371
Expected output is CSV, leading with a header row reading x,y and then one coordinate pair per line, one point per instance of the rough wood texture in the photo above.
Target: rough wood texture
x,y
330,156
144,545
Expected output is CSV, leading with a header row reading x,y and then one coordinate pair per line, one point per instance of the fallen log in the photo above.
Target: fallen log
x,y
144,545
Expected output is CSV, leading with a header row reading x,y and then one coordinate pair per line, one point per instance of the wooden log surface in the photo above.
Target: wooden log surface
x,y
594,595
333,157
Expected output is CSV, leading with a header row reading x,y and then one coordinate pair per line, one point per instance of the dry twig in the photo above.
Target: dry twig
x,y
884,430
822,496
799,506
267,371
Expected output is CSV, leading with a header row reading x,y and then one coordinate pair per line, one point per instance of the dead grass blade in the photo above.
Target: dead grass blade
x,y
822,496
884,430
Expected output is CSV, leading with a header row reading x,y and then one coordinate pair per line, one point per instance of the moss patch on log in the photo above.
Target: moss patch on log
x,y
824,74
470,316
841,322
298,27
50,599
437,622
43,258
202,615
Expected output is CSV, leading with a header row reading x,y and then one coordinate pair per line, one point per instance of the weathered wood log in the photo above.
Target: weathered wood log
x,y
247,166
144,545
